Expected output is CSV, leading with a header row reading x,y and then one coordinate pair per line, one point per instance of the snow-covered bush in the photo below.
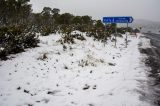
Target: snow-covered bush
x,y
78,36
45,31
67,39
15,39
98,35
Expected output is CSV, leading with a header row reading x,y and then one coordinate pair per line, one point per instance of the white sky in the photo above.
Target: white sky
x,y
139,9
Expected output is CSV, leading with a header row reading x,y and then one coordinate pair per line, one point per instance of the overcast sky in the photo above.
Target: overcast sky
x,y
139,9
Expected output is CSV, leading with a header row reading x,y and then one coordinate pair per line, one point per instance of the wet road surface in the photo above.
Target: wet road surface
x,y
153,61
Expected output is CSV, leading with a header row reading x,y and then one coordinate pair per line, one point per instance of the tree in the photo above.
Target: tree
x,y
99,25
86,19
47,16
14,11
37,19
46,11
23,11
55,15
55,11
77,20
65,18
3,11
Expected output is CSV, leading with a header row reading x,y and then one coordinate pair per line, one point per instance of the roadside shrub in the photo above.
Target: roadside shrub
x,y
98,35
15,39
67,39
80,28
46,31
78,36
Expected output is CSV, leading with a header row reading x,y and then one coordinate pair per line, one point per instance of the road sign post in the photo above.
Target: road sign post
x,y
127,19
127,36
115,36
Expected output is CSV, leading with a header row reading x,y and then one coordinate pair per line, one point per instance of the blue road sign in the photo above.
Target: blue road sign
x,y
117,19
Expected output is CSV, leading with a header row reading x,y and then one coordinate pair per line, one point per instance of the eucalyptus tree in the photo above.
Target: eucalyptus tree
x,y
46,16
3,14
14,11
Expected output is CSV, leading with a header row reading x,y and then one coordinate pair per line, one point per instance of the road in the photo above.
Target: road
x,y
153,61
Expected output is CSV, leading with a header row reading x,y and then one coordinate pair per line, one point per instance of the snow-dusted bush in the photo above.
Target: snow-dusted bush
x,y
78,36
45,31
15,39
67,39
90,61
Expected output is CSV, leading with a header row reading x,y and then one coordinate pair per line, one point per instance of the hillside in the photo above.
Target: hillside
x,y
147,25
87,73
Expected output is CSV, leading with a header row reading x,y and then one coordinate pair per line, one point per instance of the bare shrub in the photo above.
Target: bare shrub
x,y
43,57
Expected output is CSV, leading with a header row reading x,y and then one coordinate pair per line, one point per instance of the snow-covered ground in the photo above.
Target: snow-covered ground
x,y
87,73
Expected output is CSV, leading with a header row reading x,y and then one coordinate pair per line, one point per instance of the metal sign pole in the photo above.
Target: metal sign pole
x,y
105,27
115,36
127,36
105,33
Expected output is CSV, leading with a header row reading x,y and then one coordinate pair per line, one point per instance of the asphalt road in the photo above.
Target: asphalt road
x,y
153,61
155,39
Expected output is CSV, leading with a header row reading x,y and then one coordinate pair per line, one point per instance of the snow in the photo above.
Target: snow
x,y
1,48
87,73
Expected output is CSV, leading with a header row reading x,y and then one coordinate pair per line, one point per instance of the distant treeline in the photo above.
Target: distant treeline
x,y
19,12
